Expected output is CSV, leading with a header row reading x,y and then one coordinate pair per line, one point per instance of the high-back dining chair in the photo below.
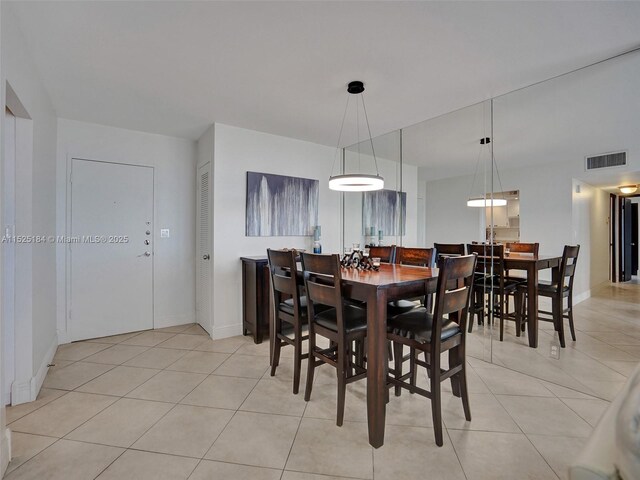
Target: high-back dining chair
x,y
386,254
558,289
419,257
291,311
442,331
342,323
448,250
490,279
525,248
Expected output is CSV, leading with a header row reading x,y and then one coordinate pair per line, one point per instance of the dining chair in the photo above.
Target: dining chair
x,y
290,312
448,250
417,257
524,248
434,334
342,323
490,280
557,290
386,254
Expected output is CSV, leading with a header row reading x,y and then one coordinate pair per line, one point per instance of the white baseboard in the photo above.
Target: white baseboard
x,y
174,320
581,297
27,391
227,331
5,451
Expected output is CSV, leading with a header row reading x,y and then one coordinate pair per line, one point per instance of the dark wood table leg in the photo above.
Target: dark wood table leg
x,y
532,304
377,364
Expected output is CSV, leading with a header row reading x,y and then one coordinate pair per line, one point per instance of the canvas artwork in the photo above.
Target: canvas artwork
x,y
278,205
384,210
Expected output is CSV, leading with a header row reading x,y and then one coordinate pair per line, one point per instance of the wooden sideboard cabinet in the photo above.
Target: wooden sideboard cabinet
x,y
256,297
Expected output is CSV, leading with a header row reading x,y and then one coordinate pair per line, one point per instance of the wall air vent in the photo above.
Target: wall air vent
x,y
607,160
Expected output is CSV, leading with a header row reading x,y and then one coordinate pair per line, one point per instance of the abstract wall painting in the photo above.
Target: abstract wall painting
x,y
384,210
279,206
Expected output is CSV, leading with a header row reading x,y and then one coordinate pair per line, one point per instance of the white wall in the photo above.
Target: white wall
x,y
590,224
5,444
237,151
35,334
174,162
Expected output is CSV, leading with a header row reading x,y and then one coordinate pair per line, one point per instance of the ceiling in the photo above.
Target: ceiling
x,y
589,112
281,67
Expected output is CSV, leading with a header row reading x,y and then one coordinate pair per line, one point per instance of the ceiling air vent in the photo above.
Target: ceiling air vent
x,y
607,160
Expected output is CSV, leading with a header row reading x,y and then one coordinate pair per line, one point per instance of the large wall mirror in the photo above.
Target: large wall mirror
x,y
536,161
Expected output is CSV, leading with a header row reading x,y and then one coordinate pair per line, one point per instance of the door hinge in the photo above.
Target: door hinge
x,y
69,314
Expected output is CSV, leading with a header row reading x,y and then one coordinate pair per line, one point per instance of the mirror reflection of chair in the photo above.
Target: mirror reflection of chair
x,y
522,248
448,250
291,312
344,324
490,280
434,334
557,290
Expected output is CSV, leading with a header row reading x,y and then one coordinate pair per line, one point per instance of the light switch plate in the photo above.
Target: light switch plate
x,y
164,233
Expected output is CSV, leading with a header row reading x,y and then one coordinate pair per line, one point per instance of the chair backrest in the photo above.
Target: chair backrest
x,y
490,258
419,257
282,267
568,265
322,281
522,247
449,249
384,253
453,293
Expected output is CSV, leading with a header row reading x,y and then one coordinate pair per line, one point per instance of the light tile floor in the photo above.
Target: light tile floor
x,y
174,404
598,363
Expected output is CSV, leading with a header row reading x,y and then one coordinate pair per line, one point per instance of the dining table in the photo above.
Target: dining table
x,y
532,264
377,288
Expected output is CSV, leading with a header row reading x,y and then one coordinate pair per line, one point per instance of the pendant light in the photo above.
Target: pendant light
x,y
356,182
484,200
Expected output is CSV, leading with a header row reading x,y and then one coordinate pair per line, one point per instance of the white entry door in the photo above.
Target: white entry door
x,y
203,263
111,248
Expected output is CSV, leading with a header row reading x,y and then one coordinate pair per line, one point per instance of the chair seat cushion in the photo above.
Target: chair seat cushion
x,y
550,287
400,306
509,283
355,319
287,306
417,325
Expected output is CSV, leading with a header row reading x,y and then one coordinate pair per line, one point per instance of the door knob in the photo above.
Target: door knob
x,y
145,254
206,257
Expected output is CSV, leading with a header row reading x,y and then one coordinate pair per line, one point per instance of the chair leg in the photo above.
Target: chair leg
x,y
517,302
501,307
277,345
342,384
311,365
558,319
436,400
454,361
570,313
397,365
462,376
297,357
413,368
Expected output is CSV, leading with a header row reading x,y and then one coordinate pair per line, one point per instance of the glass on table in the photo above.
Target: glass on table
x,y
375,261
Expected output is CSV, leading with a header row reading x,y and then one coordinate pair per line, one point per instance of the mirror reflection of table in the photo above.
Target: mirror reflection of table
x,y
377,288
532,265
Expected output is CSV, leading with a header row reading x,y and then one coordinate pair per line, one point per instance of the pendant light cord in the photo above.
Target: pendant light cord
x,y
344,116
369,130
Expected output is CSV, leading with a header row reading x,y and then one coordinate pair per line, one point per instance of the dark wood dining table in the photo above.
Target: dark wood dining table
x,y
532,265
391,282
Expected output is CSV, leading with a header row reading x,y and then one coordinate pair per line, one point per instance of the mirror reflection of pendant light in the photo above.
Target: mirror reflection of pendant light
x,y
488,199
628,189
356,182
